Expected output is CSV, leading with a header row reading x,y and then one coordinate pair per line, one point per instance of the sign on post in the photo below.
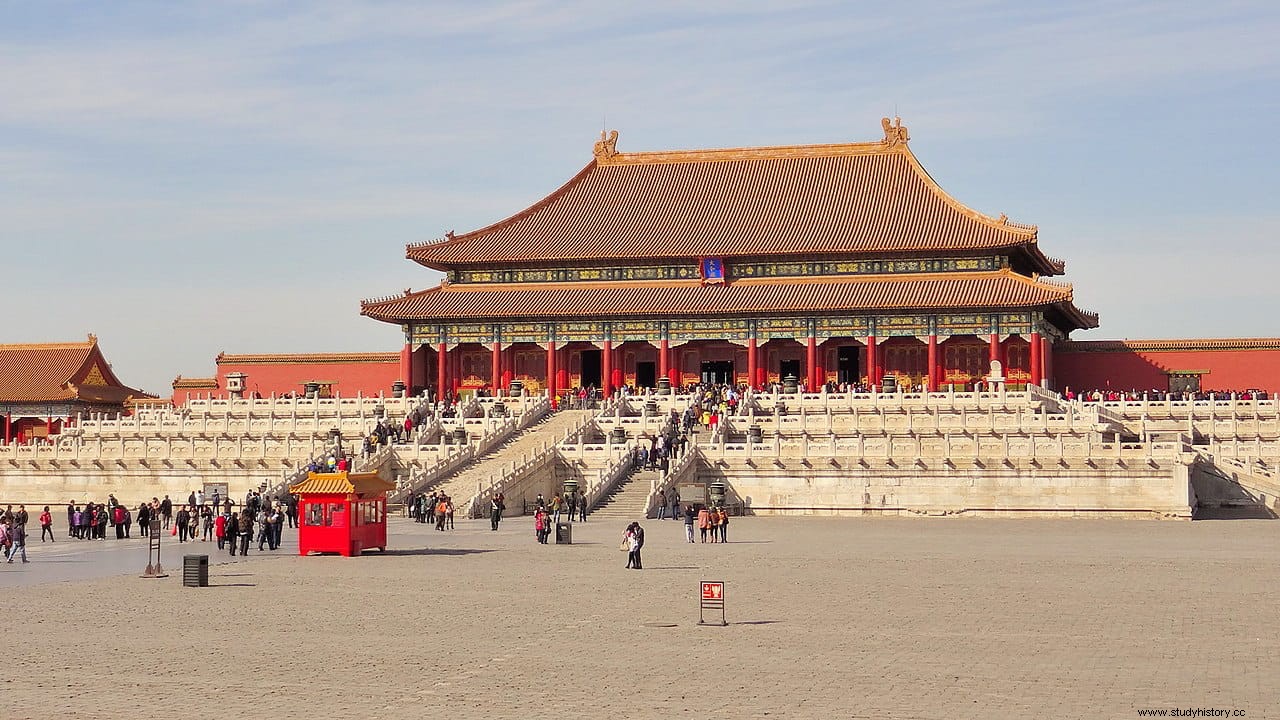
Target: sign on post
x,y
711,597
154,568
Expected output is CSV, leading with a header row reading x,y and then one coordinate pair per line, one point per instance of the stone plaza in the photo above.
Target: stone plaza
x,y
880,617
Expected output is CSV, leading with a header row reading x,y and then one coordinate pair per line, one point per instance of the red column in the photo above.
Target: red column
x,y
664,359
1046,362
1037,369
931,368
551,367
406,368
8,428
993,347
442,375
606,369
811,361
495,373
752,362
872,369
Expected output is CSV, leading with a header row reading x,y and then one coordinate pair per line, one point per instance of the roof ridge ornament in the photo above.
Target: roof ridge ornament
x,y
606,146
895,133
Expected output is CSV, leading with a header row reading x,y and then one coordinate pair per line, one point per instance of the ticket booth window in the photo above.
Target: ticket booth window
x,y
315,514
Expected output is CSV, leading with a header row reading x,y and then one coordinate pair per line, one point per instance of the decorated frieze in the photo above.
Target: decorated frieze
x,y
722,329
969,324
731,269
636,330
844,326
769,328
579,331
902,326
684,271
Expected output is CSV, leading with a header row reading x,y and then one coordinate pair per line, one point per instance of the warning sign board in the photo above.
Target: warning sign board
x,y
711,597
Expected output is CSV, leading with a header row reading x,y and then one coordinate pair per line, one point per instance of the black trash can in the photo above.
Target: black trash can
x,y
195,571
564,533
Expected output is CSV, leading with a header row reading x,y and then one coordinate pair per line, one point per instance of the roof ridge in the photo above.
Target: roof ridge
x,y
1002,222
49,345
451,239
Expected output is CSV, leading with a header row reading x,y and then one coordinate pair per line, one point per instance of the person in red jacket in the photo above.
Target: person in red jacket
x,y
220,530
46,524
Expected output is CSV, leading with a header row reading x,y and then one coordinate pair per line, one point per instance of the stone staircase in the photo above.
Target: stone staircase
x,y
463,484
627,500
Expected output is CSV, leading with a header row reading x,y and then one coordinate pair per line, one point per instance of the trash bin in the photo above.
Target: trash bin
x,y
195,571
564,533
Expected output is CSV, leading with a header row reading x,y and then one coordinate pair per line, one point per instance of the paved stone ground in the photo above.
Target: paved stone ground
x,y
829,617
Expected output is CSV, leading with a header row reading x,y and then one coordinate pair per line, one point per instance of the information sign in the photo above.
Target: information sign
x,y
711,597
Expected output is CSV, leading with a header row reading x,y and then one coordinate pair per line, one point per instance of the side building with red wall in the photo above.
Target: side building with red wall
x,y
346,374
1228,364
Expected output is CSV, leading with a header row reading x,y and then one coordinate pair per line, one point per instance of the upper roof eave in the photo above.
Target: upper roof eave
x,y
445,254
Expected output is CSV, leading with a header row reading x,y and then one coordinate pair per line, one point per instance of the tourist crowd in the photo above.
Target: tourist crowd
x,y
435,508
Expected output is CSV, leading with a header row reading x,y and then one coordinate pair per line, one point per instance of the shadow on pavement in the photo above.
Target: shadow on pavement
x,y
432,551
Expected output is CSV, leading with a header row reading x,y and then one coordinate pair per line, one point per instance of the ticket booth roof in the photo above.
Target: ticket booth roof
x,y
363,485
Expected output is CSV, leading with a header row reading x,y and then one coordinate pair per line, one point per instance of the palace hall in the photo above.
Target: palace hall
x,y
841,263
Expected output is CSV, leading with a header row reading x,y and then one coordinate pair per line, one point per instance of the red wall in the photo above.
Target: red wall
x,y
1145,369
350,378
350,373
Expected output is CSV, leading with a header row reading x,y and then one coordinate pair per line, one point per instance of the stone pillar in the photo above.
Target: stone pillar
x,y
932,371
495,371
442,375
872,369
606,369
406,368
752,379
811,365
1037,370
664,359
551,367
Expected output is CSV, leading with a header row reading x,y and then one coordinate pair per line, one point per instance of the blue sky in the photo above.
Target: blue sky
x,y
187,178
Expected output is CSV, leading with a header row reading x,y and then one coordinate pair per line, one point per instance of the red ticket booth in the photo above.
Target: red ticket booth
x,y
344,513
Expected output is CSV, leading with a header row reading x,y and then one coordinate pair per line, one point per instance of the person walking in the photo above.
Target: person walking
x,y
662,505
540,526
245,529
704,522
629,539
724,525
17,541
184,524
117,519
688,523
46,524
220,530
582,505
495,512
166,512
634,537
557,504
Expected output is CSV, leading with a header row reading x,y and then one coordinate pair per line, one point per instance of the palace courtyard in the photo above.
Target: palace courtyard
x,y
828,617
